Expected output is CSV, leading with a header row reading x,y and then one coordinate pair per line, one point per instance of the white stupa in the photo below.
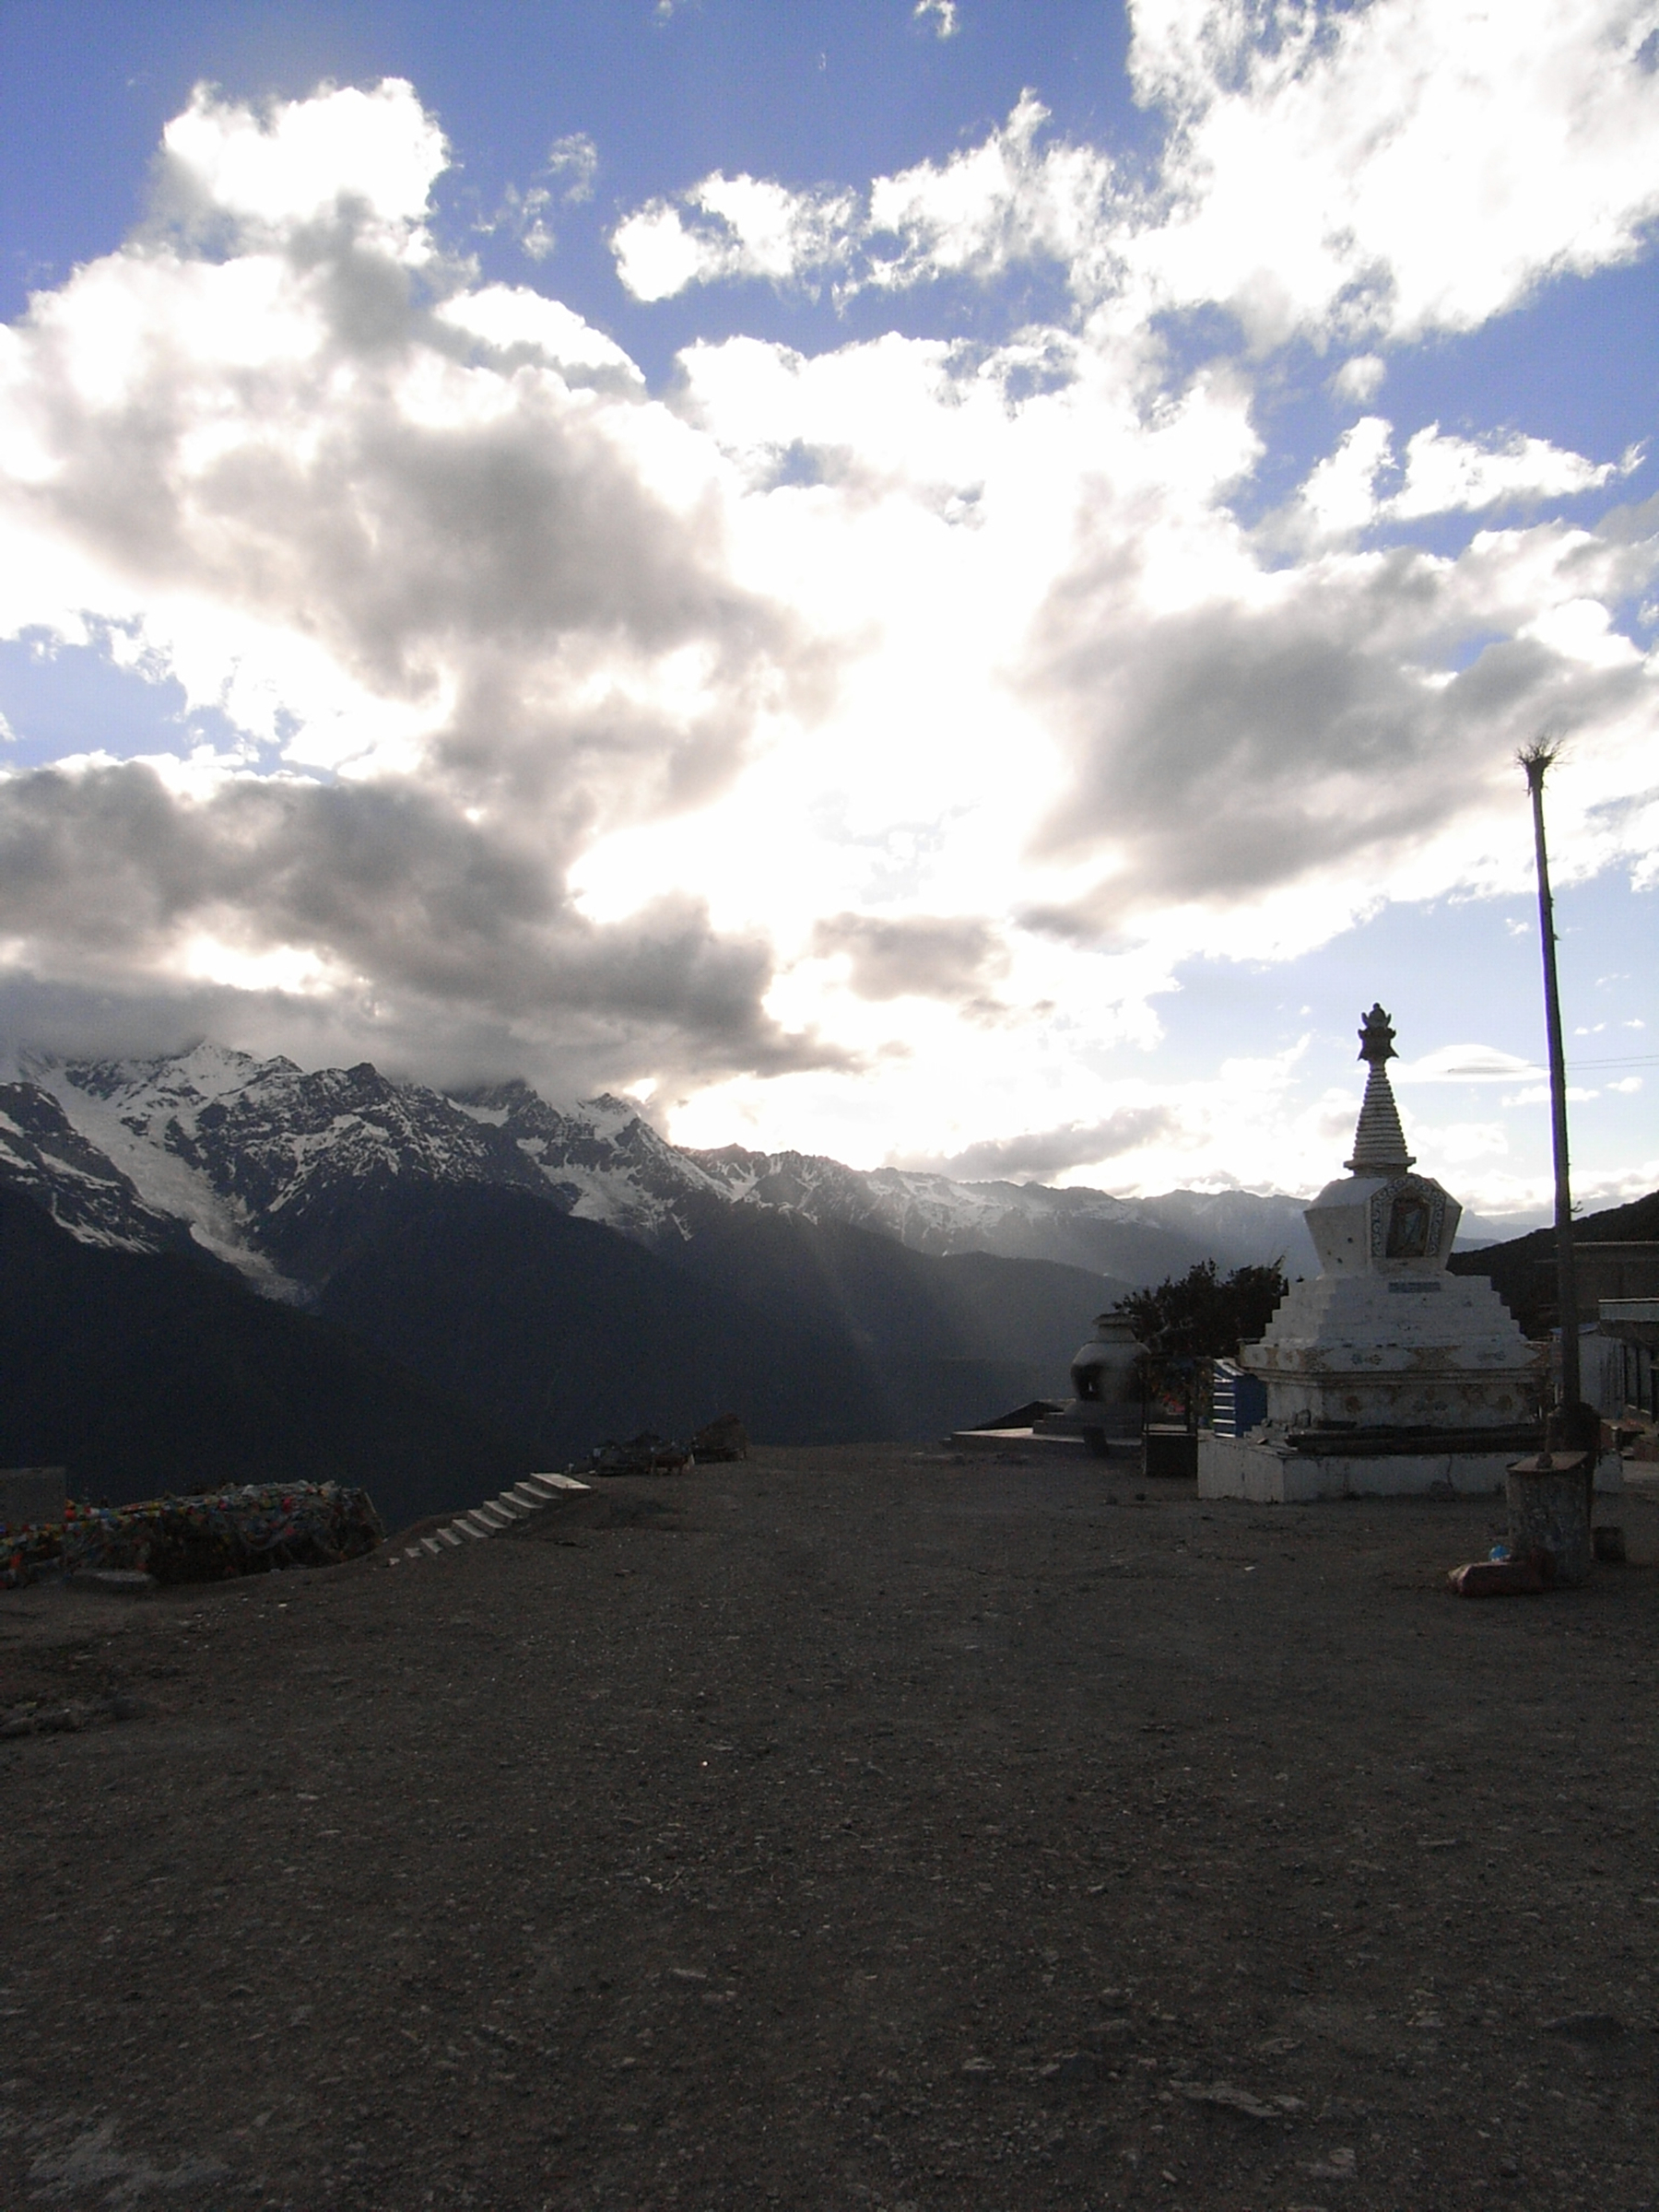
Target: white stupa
x,y
1385,1375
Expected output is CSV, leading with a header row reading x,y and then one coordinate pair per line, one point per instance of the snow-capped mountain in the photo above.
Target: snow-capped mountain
x,y
268,1167
614,1168
45,1156
602,1159
253,1156
931,1213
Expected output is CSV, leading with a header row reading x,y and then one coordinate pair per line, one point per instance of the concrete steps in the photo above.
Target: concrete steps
x,y
519,1504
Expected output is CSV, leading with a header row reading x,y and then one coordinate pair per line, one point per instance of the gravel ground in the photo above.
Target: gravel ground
x,y
848,1828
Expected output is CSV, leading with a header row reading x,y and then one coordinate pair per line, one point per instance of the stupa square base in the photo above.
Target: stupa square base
x,y
1266,1473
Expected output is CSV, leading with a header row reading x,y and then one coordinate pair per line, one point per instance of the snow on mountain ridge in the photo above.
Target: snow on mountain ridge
x,y
165,1181
145,1093
43,1155
257,1157
602,1157
247,1152
933,1213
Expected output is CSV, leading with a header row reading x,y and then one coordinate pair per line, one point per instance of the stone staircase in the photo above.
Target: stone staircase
x,y
513,1505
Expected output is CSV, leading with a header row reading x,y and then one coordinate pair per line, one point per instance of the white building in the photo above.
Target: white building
x,y
1385,1376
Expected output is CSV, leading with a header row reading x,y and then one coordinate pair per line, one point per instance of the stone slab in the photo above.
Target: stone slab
x,y
1267,1475
1016,1439
113,1582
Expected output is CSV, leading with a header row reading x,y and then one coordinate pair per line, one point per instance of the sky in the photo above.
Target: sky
x,y
955,585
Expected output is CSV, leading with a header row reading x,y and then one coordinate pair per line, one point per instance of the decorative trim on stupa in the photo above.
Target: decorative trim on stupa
x,y
1379,1140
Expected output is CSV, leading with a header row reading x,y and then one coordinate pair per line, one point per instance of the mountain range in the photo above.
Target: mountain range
x,y
248,1159
546,1275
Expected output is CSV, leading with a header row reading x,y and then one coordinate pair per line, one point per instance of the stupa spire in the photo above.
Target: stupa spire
x,y
1379,1140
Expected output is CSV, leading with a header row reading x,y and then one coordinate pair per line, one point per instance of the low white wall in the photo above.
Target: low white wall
x,y
1268,1475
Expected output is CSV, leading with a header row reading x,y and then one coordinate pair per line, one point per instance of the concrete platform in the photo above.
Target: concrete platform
x,y
1016,1439
1267,1473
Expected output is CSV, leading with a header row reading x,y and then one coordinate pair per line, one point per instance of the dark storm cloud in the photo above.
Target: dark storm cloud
x,y
929,955
1051,1151
109,866
1224,751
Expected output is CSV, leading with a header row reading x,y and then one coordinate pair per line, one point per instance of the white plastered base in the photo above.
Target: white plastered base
x,y
1266,1473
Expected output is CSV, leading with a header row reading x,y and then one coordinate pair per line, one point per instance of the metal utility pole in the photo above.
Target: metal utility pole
x,y
1537,759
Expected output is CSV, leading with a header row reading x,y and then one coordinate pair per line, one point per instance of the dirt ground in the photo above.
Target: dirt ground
x,y
849,1829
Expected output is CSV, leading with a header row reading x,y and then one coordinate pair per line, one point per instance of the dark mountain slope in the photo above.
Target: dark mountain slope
x,y
1523,1270
144,1372
941,1339
565,1333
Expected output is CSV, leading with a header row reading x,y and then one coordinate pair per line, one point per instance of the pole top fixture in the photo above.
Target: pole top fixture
x,y
1538,759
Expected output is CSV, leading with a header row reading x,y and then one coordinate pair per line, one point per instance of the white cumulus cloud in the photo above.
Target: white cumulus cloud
x,y
941,14
740,226
1368,173
1350,490
373,154
1443,474
1398,167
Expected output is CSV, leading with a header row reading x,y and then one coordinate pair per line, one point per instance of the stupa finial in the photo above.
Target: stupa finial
x,y
1379,1141
1376,1037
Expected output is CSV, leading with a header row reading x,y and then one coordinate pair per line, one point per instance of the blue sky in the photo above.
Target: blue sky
x,y
997,604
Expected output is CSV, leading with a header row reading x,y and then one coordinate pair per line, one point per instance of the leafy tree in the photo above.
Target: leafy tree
x,y
1201,1316
1205,1314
